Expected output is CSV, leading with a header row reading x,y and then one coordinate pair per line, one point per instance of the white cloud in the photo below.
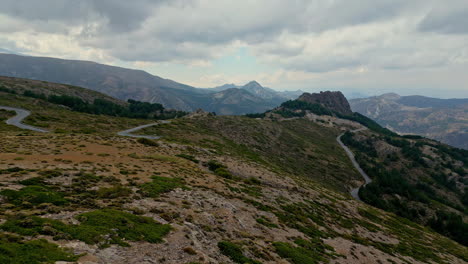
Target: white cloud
x,y
304,41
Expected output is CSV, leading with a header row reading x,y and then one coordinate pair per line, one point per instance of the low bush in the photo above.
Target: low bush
x,y
234,252
113,192
160,185
16,251
188,157
223,172
33,195
147,142
305,252
103,227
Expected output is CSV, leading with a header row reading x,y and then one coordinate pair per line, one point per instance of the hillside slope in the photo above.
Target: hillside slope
x,y
214,189
414,177
445,120
20,86
139,85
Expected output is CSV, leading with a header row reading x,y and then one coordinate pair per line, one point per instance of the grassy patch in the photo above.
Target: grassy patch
x,y
266,222
33,195
113,192
38,181
160,185
11,170
219,169
103,227
234,252
309,252
15,251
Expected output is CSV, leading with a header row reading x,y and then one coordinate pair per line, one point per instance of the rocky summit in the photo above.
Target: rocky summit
x,y
335,101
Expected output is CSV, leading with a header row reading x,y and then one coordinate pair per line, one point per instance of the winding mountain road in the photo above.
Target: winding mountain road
x,y
17,120
128,132
21,114
355,192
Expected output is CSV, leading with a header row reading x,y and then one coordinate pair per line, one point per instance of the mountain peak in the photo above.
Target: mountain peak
x,y
335,101
253,84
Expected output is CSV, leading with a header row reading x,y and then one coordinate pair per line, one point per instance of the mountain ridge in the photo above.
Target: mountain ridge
x,y
124,84
440,119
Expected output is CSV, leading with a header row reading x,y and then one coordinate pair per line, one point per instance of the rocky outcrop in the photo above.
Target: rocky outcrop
x,y
331,100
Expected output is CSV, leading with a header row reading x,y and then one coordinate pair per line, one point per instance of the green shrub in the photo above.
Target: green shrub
x,y
102,227
38,181
11,170
34,195
113,192
147,142
305,252
15,251
96,225
213,165
234,252
160,185
223,172
252,180
266,222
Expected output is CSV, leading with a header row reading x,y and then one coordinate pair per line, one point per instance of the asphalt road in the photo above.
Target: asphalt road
x,y
355,192
17,120
128,132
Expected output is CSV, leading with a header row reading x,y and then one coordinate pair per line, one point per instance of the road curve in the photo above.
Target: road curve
x,y
355,192
17,120
128,132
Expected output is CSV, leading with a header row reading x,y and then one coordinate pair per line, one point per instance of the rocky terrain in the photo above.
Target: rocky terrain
x,y
445,120
331,100
213,189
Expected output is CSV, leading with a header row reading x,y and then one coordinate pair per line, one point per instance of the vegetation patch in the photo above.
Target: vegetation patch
x,y
103,227
266,222
219,169
160,185
16,251
134,109
11,170
147,142
305,251
188,157
38,181
113,192
34,195
234,252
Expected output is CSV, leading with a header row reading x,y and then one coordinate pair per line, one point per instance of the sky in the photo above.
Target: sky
x,y
364,47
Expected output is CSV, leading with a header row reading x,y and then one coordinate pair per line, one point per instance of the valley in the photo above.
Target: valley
x,y
440,119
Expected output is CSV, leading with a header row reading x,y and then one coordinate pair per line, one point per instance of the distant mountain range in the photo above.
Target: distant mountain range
x,y
445,120
126,84
263,92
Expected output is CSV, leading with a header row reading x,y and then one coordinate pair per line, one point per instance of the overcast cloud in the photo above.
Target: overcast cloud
x,y
308,44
